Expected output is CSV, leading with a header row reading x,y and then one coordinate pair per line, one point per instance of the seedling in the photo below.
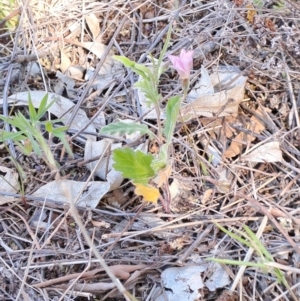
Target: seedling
x,y
136,165
28,135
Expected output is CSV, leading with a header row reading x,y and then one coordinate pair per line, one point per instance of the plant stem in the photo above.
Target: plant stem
x,y
160,134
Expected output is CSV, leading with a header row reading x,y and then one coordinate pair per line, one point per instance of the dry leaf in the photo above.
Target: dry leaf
x,y
8,183
164,175
223,102
206,196
236,145
218,279
268,152
93,24
102,169
182,283
65,61
90,194
223,184
150,194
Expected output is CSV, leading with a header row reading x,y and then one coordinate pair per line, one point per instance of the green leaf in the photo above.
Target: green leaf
x,y
125,128
24,149
32,111
48,127
14,121
139,69
235,262
260,246
62,137
43,106
234,236
148,89
21,122
4,136
172,111
134,165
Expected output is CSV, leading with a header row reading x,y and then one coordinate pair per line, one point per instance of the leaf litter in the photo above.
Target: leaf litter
x,y
241,146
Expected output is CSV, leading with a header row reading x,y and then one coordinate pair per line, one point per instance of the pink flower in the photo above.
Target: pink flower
x,y
183,63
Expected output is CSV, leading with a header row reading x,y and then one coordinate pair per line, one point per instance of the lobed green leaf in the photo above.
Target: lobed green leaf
x,y
134,165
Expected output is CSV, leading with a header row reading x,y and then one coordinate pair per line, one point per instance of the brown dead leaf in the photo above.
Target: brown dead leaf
x,y
236,145
206,196
217,131
93,24
270,24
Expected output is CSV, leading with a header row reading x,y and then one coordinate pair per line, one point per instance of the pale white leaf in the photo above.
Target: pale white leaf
x,y
65,61
268,152
203,87
8,183
223,102
218,279
104,168
64,190
183,283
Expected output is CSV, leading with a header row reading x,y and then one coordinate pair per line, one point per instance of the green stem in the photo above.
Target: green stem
x,y
160,130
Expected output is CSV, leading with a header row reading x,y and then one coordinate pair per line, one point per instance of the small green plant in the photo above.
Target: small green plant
x,y
279,5
249,239
6,8
28,134
136,165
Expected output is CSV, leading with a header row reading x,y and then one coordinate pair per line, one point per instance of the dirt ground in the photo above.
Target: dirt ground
x,y
235,164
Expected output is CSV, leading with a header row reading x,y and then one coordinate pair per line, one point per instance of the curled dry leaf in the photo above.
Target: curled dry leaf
x,y
100,224
65,61
206,196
